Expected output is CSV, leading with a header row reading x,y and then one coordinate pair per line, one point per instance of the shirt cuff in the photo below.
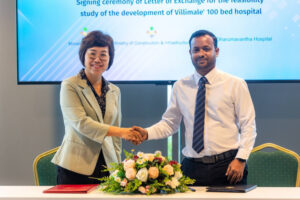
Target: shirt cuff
x,y
243,154
151,133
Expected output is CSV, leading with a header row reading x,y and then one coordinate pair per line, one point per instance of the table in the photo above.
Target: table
x,y
260,193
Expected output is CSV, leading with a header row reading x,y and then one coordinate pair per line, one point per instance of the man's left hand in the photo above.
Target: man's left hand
x,y
235,171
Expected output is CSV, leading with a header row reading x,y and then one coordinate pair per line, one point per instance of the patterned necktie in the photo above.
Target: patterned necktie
x,y
199,116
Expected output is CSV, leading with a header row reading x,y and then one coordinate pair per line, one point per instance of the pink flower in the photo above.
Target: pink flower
x,y
128,164
153,172
148,189
169,169
124,182
130,173
142,189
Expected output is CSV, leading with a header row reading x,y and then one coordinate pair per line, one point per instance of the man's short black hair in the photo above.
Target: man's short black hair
x,y
200,33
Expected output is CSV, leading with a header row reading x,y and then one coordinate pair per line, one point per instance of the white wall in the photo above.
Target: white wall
x,y
27,112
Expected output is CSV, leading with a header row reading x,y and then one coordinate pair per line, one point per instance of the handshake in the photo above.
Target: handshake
x,y
136,135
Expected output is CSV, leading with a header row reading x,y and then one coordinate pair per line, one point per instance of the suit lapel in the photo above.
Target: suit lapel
x,y
89,95
110,101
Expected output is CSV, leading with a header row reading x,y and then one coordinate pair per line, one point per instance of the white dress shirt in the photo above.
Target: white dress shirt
x,y
229,115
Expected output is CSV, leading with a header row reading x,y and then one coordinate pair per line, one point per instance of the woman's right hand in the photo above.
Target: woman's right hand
x,y
131,135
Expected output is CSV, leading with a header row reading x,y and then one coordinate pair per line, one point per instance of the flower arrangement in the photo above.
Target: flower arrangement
x,y
145,173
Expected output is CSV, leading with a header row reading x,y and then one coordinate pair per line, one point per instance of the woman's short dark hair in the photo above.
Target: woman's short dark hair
x,y
201,33
97,39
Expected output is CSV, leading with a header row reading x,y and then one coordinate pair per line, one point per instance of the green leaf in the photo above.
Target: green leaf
x,y
133,186
128,155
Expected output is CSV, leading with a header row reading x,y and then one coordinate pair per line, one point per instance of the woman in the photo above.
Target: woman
x,y
92,115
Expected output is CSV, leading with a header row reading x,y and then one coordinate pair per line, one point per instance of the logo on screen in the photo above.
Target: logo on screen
x,y
84,32
152,32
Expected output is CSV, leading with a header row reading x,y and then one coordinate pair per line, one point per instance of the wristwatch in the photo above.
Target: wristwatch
x,y
241,160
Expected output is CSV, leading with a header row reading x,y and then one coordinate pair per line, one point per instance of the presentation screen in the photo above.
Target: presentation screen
x,y
258,39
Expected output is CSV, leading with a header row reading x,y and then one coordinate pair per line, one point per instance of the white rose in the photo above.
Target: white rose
x,y
142,174
128,164
178,175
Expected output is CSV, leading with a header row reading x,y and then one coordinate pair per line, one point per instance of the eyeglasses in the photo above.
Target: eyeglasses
x,y
101,56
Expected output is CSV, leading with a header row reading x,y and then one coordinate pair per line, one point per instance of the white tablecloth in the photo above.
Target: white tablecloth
x,y
260,193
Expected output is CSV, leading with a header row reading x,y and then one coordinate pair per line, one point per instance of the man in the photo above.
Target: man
x,y
219,118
